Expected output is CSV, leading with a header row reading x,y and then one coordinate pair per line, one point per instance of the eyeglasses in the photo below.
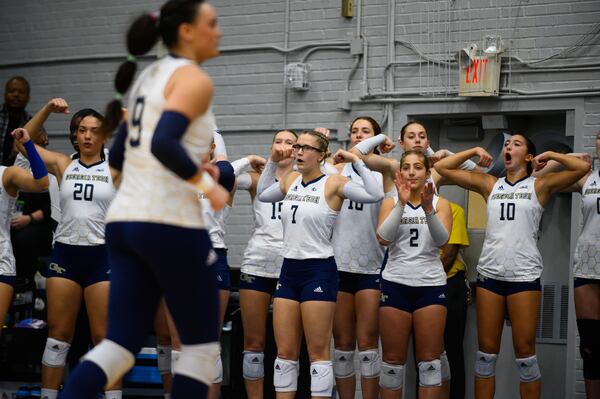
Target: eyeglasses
x,y
305,147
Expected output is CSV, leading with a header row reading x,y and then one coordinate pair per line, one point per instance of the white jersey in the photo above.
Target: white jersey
x,y
85,195
53,189
149,191
510,251
7,205
307,221
263,253
215,222
414,259
587,251
354,241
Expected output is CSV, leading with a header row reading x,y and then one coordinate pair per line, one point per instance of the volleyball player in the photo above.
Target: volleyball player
x,y
586,271
78,267
307,289
260,269
413,136
359,257
12,180
510,265
157,243
413,290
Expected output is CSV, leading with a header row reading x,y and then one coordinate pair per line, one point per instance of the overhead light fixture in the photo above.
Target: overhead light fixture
x,y
492,44
466,55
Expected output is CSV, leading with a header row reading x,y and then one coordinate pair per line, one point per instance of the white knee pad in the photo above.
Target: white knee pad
x,y
370,363
529,369
285,376
343,363
430,373
218,375
55,353
253,367
392,376
485,364
112,358
163,358
321,378
198,362
446,376
174,359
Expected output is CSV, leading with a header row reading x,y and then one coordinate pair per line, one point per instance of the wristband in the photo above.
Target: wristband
x,y
206,183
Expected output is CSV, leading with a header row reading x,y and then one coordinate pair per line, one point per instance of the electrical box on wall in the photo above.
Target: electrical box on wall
x,y
296,76
348,8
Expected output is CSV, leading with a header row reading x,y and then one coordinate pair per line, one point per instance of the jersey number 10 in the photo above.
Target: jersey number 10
x,y
507,211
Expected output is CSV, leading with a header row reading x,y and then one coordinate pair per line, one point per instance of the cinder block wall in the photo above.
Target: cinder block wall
x,y
72,49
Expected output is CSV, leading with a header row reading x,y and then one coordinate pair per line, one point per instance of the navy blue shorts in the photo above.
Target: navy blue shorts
x,y
506,288
304,280
152,260
410,299
579,281
9,280
85,265
354,282
257,283
221,268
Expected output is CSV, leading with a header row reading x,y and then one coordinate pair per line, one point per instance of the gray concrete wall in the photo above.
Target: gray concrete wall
x,y
71,49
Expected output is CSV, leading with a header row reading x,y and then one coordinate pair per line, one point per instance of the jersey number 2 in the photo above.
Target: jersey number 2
x,y
136,121
414,236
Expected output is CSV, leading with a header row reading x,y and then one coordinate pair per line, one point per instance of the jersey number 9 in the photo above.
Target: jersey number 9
x,y
136,121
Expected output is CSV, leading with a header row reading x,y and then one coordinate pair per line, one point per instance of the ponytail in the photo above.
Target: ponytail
x,y
141,37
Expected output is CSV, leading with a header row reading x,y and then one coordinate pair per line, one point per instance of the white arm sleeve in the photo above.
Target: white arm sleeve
x,y
370,191
243,182
268,188
328,169
240,166
467,165
370,144
219,144
437,230
388,230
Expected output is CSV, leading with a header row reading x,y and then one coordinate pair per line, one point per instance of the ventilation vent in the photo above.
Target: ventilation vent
x,y
554,314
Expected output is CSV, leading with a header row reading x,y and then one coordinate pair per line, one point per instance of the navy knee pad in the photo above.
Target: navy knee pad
x,y
589,347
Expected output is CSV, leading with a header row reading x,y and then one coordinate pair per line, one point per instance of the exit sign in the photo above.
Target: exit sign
x,y
480,77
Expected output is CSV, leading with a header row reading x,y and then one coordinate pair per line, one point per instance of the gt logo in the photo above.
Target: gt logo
x,y
383,298
278,286
56,268
247,278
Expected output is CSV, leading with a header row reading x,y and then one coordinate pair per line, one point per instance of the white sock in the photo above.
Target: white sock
x,y
49,393
167,396
113,394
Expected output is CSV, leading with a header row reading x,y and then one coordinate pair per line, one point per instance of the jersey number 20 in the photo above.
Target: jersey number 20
x,y
83,192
